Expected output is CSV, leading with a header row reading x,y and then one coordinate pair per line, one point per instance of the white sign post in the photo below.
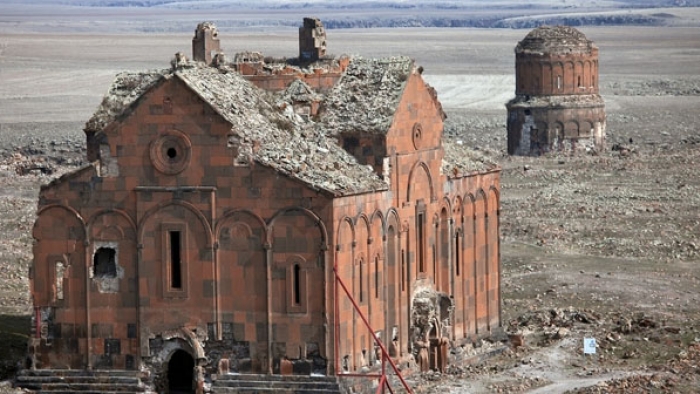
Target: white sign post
x,y
589,345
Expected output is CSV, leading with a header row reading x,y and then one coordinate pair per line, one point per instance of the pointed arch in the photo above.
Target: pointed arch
x,y
419,169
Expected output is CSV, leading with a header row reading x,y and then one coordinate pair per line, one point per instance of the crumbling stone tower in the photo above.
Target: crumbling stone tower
x,y
557,105
205,43
312,40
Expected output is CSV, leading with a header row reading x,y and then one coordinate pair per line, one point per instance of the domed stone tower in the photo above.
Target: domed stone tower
x,y
557,105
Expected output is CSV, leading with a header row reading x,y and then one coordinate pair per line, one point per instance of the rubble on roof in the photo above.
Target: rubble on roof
x,y
299,91
461,161
265,132
248,57
366,96
281,140
125,90
555,40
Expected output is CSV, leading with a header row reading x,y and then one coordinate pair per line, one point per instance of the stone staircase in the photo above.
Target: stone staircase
x,y
64,381
283,384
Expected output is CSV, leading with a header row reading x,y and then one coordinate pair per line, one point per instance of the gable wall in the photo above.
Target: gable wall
x,y
235,222
460,213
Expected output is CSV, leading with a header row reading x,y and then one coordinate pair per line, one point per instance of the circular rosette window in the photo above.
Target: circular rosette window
x,y
417,136
170,152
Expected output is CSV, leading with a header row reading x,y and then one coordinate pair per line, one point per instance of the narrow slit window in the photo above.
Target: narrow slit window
x,y
175,260
457,256
362,279
421,241
297,284
105,263
558,81
579,81
376,277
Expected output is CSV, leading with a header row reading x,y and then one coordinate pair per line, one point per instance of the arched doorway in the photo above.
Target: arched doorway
x,y
180,373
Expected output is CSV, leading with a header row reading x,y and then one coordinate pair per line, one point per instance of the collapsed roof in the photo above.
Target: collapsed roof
x,y
266,131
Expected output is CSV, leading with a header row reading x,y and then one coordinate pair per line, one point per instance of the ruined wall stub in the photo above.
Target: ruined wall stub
x,y
205,43
312,40
557,104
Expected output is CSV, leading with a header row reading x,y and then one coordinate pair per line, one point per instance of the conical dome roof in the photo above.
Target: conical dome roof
x,y
555,40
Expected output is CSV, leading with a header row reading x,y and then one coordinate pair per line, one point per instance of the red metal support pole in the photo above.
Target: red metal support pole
x,y
337,317
385,354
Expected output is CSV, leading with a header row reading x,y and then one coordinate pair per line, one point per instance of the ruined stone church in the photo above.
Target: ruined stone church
x,y
265,216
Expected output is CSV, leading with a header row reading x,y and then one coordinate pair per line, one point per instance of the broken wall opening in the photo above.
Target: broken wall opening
x,y
431,316
180,373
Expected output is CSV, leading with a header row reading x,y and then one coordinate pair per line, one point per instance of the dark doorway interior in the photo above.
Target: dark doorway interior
x,y
180,373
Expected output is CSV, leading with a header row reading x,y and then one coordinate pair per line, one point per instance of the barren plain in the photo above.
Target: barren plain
x,y
600,245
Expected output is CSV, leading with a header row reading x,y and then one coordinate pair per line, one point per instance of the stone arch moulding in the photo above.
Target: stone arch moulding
x,y
411,180
311,214
481,194
235,216
457,204
338,235
393,218
362,223
205,223
70,210
446,204
378,215
118,212
181,339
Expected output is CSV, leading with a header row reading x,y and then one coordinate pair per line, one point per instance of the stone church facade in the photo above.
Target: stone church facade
x,y
222,199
